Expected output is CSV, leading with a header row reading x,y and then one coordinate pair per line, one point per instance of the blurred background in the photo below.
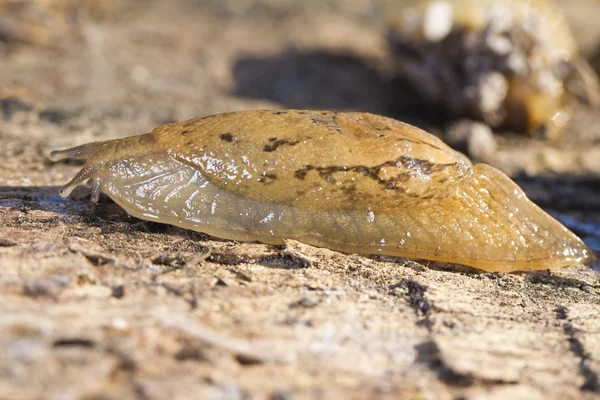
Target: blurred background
x,y
73,71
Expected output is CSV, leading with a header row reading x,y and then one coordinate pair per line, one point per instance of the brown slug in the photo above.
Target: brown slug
x,y
510,63
352,182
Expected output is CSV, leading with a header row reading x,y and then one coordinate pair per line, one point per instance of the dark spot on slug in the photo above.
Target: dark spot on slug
x,y
227,137
184,132
403,177
267,178
349,189
301,173
353,195
275,144
329,121
392,184
412,166
279,112
383,128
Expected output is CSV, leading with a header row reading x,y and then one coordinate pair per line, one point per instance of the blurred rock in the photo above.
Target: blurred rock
x,y
474,137
45,287
510,63
47,23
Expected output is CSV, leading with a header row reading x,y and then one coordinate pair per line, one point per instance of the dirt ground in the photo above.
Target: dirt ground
x,y
95,304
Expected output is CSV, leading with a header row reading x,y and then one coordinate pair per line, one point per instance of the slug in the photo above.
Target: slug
x,y
352,182
510,63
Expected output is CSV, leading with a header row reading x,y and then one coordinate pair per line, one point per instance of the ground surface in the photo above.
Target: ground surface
x,y
95,304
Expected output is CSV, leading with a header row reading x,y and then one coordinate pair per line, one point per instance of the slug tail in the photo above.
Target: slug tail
x,y
524,233
489,224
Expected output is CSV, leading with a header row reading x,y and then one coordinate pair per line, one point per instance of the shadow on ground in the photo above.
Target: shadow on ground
x,y
323,80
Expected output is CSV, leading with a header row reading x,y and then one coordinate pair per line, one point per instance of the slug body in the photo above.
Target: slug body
x,y
353,182
510,63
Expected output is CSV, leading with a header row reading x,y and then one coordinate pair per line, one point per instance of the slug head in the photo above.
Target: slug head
x,y
102,156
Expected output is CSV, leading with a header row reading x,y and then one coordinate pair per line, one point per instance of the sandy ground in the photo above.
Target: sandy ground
x,y
95,304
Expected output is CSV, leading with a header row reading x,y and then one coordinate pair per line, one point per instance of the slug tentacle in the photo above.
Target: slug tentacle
x,y
78,153
86,173
352,182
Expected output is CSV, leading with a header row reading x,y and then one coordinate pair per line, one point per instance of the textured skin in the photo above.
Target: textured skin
x,y
318,177
317,159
